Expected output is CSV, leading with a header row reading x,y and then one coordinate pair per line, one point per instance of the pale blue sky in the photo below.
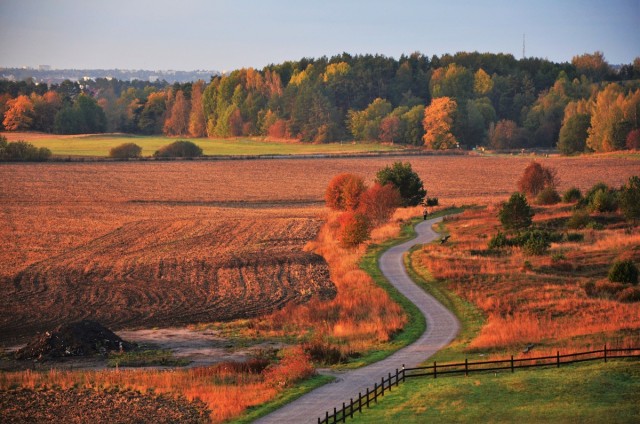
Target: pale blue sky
x,y
227,35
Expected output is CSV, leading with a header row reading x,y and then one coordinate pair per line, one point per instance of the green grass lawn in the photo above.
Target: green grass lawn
x,y
99,145
584,393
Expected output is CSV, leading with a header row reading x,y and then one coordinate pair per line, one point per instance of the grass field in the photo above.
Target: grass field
x,y
585,393
99,145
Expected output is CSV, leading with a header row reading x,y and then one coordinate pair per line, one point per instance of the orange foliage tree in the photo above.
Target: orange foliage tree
x,y
197,122
438,120
355,228
344,191
536,178
177,123
379,202
19,114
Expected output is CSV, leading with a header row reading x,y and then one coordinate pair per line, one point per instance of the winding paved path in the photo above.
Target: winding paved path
x,y
442,327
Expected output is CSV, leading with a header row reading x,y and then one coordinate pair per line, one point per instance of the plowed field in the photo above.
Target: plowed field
x,y
152,244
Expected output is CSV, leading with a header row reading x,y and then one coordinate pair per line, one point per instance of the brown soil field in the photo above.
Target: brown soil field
x,y
153,244
86,405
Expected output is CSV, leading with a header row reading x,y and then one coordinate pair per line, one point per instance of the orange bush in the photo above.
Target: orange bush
x,y
355,229
344,191
379,202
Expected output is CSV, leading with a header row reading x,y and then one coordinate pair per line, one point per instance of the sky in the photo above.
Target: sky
x,y
226,35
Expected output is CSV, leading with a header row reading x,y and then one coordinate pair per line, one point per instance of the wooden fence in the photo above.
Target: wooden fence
x,y
393,379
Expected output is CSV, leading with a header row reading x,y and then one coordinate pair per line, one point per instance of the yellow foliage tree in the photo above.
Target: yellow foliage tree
x,y
438,119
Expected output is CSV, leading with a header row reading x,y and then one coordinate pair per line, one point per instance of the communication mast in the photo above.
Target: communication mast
x,y
523,55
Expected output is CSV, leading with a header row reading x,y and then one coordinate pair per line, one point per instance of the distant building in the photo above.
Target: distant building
x,y
44,67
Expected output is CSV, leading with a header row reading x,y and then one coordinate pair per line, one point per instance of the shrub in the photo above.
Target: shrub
x,y
126,151
579,219
536,178
179,149
405,180
548,196
22,151
535,242
344,192
515,213
379,202
623,272
604,201
575,237
600,198
498,241
294,366
629,199
572,195
355,229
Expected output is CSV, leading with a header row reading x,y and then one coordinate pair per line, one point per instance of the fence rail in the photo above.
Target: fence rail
x,y
386,384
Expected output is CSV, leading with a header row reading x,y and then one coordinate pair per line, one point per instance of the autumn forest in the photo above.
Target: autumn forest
x,y
461,100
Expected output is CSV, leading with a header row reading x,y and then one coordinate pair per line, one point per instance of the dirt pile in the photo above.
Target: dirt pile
x,y
83,338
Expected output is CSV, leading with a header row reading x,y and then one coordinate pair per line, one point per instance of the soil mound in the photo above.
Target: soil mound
x,y
83,338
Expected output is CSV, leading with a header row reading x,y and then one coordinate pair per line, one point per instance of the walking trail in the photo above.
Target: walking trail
x,y
442,327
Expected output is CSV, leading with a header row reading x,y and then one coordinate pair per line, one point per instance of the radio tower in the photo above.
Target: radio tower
x,y
523,55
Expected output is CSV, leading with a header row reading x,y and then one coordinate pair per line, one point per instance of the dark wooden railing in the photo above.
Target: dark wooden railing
x,y
386,384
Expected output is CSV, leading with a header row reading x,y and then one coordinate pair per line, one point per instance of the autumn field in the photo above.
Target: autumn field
x,y
151,244
99,145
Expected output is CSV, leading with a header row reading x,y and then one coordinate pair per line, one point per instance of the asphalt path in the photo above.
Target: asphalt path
x,y
442,327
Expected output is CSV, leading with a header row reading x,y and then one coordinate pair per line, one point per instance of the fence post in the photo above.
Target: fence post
x,y
512,364
351,409
390,382
335,415
382,381
344,413
435,370
558,357
367,398
403,374
375,392
605,353
360,402
326,420
319,421
466,367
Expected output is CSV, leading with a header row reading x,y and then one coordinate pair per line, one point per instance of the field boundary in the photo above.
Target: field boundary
x,y
346,155
465,368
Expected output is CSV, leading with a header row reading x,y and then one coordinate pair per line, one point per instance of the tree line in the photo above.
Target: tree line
x,y
466,99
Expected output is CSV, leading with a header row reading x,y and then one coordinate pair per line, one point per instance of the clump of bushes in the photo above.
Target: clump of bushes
x,y
22,151
548,196
126,151
179,149
533,242
579,219
621,284
572,195
623,272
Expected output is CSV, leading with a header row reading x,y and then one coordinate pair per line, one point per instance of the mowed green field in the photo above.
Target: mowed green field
x,y
585,393
99,145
